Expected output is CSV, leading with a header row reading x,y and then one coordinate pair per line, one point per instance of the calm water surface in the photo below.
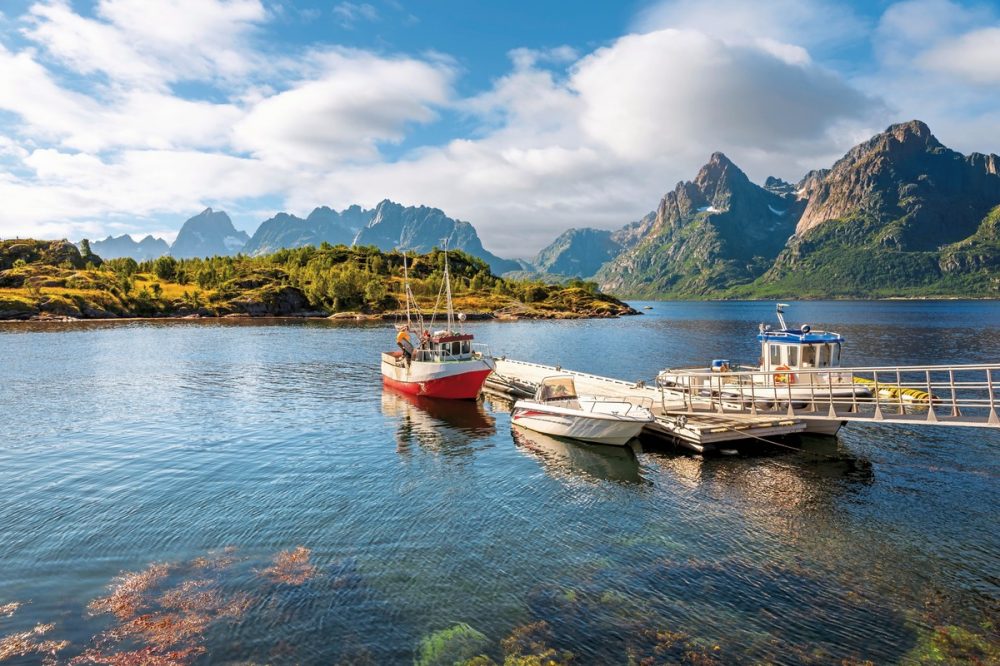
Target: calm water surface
x,y
127,445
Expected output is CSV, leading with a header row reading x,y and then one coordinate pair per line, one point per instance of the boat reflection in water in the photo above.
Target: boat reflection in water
x,y
582,460
786,492
442,426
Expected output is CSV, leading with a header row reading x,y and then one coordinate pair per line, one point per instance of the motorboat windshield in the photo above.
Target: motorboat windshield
x,y
556,388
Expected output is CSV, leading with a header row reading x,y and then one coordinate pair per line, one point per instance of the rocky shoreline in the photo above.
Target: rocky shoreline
x,y
14,317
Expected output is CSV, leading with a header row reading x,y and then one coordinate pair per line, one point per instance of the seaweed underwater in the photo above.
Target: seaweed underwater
x,y
656,612
163,614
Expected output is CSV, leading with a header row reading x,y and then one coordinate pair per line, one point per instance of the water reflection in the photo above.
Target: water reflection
x,y
562,457
783,493
441,426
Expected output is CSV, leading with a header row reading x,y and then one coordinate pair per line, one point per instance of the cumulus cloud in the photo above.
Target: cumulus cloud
x,y
361,100
666,91
151,42
937,61
974,56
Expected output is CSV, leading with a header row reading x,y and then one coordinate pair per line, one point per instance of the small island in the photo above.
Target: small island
x,y
45,280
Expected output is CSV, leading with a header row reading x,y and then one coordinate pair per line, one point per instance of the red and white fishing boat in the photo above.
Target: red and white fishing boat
x,y
446,364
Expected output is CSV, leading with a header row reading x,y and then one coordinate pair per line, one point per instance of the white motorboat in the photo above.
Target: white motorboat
x,y
558,410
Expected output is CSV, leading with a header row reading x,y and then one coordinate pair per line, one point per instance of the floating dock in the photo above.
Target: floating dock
x,y
698,431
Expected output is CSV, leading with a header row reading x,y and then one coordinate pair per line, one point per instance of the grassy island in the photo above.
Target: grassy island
x,y
55,279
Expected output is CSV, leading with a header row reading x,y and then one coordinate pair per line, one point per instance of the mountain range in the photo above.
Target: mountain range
x,y
899,214
388,226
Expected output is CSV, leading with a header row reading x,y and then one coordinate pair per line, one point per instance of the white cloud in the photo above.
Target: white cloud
x,y
350,13
673,90
132,119
360,101
973,56
937,61
151,42
74,193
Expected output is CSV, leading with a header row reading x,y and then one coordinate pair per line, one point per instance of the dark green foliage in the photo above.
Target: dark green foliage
x,y
328,278
122,266
859,257
165,268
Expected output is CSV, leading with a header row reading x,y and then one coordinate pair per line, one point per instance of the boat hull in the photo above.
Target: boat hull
x,y
825,427
452,380
583,428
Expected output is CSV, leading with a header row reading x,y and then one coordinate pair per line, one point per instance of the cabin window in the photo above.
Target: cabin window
x,y
836,355
465,347
808,356
824,356
775,356
456,348
793,357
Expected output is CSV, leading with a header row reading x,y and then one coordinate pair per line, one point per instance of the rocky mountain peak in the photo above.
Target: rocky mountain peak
x,y
912,131
906,175
208,234
718,173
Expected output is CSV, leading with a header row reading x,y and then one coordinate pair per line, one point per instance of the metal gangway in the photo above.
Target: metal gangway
x,y
944,395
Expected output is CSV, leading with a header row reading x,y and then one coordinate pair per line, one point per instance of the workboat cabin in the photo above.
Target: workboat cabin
x,y
792,349
798,349
445,346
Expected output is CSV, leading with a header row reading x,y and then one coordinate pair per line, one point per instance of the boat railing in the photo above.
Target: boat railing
x,y
481,349
936,394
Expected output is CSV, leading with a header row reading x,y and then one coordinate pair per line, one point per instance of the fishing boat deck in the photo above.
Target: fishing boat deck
x,y
698,431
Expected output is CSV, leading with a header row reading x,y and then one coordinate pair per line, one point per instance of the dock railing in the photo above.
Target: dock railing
x,y
958,395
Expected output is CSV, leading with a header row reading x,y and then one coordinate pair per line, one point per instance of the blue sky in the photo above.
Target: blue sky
x,y
525,118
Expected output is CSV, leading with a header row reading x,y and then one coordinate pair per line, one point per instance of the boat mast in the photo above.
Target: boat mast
x,y
406,288
447,286
410,298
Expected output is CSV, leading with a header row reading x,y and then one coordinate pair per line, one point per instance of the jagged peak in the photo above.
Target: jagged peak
x,y
718,157
913,135
914,128
207,211
719,170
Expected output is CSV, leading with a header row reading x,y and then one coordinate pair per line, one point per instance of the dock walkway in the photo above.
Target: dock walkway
x,y
700,431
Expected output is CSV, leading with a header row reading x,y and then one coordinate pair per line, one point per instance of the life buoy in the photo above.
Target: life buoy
x,y
784,377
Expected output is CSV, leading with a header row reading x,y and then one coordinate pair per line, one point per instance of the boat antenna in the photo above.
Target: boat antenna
x,y
780,310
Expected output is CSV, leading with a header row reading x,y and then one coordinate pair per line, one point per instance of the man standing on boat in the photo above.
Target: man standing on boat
x,y
403,341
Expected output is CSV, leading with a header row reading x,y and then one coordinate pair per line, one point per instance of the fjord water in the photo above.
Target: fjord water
x,y
128,444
